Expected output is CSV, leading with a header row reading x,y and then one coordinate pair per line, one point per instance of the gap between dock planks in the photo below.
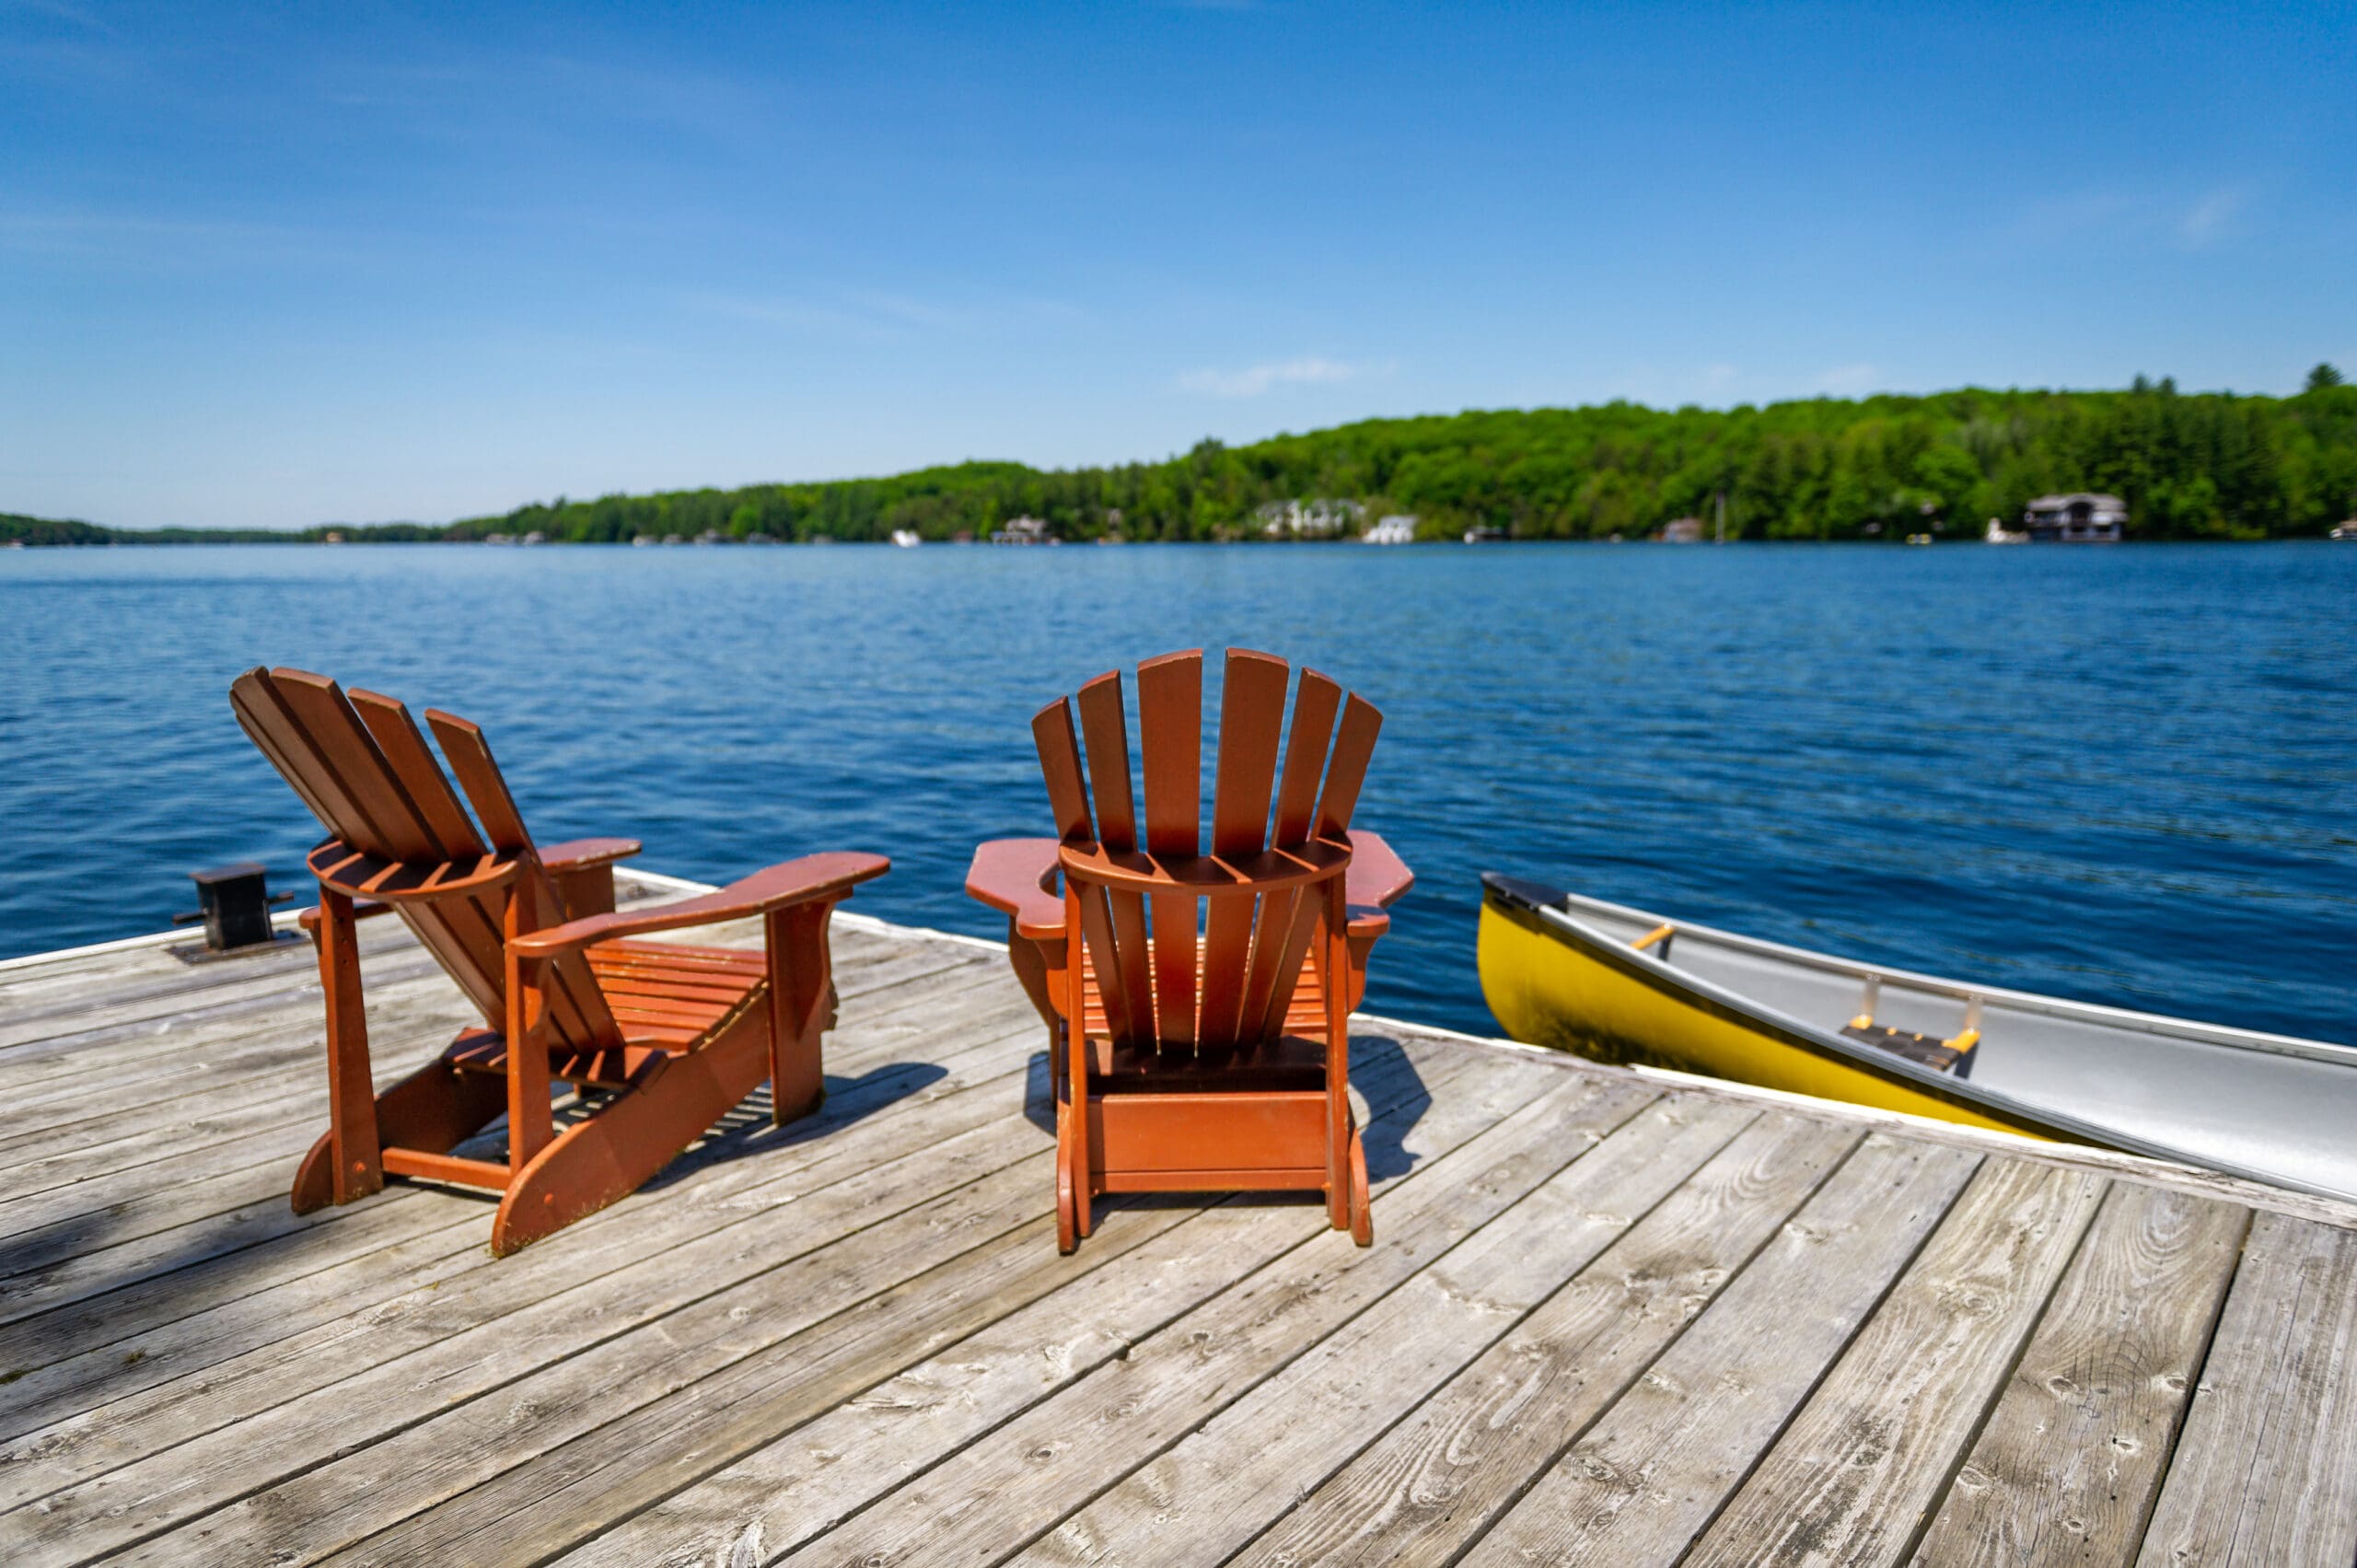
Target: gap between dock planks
x,y
1856,1474
1638,1480
193,1318
533,1502
163,1193
699,1212
794,1484
1476,1336
1006,1489
2069,1462
2266,1470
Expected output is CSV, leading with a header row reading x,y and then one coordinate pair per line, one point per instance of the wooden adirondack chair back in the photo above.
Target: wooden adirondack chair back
x,y
1156,987
360,763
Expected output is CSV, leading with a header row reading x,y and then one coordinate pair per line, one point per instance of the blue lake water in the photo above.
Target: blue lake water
x,y
2126,775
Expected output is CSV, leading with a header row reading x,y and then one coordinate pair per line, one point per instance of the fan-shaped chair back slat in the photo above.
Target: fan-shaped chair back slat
x,y
1354,748
1052,732
1122,953
1251,723
1170,749
578,1009
1314,707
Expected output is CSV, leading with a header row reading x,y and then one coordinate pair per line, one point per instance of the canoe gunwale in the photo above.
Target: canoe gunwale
x,y
1571,904
1526,901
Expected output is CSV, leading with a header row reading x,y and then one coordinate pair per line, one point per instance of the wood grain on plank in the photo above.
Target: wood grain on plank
x,y
2266,1468
615,1469
1460,1353
192,1317
308,1516
1645,1479
874,1056
619,1274
1015,1483
1872,1449
447,1348
2066,1470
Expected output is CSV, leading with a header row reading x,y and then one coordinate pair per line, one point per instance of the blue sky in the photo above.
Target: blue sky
x,y
281,264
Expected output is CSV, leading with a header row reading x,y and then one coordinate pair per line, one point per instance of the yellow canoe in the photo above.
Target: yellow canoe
x,y
1625,985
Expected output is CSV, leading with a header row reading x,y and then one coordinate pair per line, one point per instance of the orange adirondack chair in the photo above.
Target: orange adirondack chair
x,y
669,1035
1215,1054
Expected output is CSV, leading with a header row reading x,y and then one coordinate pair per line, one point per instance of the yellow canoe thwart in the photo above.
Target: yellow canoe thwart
x,y
1625,985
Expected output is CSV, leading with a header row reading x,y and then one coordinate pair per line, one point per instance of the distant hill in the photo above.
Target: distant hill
x,y
15,527
2190,464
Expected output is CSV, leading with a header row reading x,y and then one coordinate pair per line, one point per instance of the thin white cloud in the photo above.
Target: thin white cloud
x,y
1252,382
1847,381
2202,221
869,316
164,243
2149,218
61,11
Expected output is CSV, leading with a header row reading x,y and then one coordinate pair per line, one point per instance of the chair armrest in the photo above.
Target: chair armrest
x,y
1014,876
578,853
829,875
1376,879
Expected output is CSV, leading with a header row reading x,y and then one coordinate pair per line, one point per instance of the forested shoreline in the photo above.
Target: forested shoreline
x,y
2191,466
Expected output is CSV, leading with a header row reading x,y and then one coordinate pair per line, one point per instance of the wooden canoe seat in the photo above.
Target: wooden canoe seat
x,y
669,1035
1198,994
1954,1056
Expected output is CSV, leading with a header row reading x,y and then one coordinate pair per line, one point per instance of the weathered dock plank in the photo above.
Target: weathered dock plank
x,y
1482,1348
642,1452
1015,1483
2266,1470
1641,1482
1854,1476
2067,1468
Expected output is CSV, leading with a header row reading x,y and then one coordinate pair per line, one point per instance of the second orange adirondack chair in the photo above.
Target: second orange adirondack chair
x,y
1199,1005
666,1037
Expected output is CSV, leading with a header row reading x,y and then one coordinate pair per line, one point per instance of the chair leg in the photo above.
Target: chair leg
x,y
1362,1201
347,1165
802,1008
1068,1192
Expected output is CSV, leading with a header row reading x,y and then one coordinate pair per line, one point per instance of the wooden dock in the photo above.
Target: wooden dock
x,y
1608,1318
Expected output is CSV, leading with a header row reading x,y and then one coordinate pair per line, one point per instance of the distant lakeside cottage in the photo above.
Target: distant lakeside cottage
x,y
1321,518
1024,531
2080,519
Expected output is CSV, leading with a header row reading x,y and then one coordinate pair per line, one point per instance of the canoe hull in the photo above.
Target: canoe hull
x,y
1567,995
1602,979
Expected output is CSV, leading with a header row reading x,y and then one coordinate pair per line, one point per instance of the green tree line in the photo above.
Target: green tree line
x,y
2190,464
